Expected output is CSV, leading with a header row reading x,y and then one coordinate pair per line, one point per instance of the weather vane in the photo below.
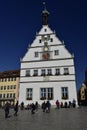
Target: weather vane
x,y
44,5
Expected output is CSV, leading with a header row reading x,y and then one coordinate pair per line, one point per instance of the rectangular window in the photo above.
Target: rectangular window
x,y
66,71
4,87
43,93
45,29
10,95
56,52
35,73
51,39
64,92
57,72
49,72
46,93
13,95
1,87
43,72
14,86
3,95
39,40
36,54
7,87
7,95
0,95
50,93
11,87
29,93
27,72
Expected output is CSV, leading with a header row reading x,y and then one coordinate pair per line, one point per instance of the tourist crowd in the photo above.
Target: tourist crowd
x,y
46,105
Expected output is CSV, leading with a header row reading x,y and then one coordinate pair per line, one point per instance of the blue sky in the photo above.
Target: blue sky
x,y
21,19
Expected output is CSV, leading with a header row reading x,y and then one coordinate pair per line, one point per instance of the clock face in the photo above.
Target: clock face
x,y
46,49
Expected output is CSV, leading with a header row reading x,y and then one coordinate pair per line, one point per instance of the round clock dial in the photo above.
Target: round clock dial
x,y
46,49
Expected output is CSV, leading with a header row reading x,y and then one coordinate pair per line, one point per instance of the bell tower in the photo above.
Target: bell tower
x,y
45,15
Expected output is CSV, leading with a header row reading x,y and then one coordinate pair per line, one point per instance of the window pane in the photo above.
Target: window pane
x,y
66,71
43,93
29,93
56,52
49,72
36,54
46,93
50,93
27,72
35,72
57,72
43,72
64,91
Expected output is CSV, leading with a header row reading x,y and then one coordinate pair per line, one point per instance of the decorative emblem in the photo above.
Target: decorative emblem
x,y
46,56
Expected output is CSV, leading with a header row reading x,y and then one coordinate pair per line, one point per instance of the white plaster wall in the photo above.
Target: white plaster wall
x,y
64,59
63,62
56,88
36,46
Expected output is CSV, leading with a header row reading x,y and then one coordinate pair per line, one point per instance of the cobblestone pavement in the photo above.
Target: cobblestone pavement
x,y
62,119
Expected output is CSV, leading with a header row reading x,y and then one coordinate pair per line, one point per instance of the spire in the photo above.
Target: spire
x,y
45,15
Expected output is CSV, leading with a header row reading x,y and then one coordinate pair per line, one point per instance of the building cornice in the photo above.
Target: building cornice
x,y
47,60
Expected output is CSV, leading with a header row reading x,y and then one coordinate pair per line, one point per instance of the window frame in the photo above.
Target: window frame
x,y
36,54
29,93
57,71
27,73
66,71
56,52
43,72
46,93
64,93
35,73
49,72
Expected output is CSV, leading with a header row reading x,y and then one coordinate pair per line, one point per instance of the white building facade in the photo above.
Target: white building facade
x,y
47,69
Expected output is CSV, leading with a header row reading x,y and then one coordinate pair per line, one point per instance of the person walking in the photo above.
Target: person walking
x,y
48,105
44,106
57,104
16,109
6,110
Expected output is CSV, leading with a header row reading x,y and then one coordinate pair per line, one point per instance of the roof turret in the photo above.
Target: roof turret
x,y
45,15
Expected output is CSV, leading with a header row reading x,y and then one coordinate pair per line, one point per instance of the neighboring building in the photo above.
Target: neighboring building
x,y
82,95
86,77
47,69
9,85
82,92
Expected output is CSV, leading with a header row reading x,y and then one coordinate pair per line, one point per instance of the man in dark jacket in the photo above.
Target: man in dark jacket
x,y
16,109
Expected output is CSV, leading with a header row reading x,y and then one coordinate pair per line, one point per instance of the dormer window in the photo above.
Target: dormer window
x,y
56,52
45,30
36,54
39,40
51,39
